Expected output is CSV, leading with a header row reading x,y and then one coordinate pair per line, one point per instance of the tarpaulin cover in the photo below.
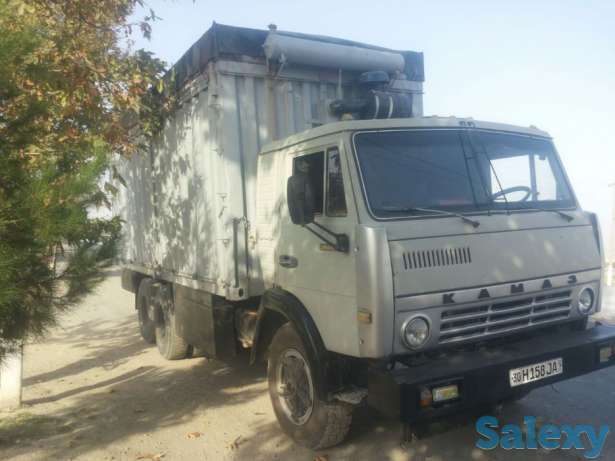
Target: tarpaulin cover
x,y
231,42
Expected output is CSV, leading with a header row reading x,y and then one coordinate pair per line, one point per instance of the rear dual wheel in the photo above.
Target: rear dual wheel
x,y
147,327
160,328
170,345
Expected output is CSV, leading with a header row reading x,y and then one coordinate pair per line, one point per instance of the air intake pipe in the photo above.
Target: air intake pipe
x,y
376,101
375,105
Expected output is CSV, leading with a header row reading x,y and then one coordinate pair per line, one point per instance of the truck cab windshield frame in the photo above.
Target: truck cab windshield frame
x,y
460,170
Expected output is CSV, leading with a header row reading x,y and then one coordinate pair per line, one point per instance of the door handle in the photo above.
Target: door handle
x,y
288,261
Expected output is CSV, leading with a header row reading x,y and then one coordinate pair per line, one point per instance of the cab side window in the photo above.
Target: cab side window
x,y
313,165
336,200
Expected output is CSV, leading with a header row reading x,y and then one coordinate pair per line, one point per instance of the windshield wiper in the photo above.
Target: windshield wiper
x,y
566,216
431,210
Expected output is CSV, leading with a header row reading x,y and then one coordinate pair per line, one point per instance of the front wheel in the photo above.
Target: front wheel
x,y
309,421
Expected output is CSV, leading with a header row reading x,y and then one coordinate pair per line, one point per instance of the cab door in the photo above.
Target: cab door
x,y
321,277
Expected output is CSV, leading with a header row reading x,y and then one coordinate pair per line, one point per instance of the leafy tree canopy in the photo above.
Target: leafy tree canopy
x,y
69,86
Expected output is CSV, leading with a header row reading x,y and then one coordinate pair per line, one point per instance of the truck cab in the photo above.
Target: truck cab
x,y
470,228
434,254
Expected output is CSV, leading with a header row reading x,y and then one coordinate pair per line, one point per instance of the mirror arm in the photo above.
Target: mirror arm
x,y
341,240
324,239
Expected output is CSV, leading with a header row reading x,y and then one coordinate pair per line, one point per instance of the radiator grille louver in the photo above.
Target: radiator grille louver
x,y
423,259
464,323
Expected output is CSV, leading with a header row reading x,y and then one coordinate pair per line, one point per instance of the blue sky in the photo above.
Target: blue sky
x,y
544,63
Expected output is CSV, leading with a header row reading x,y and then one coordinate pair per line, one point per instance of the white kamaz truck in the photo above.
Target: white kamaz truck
x,y
298,206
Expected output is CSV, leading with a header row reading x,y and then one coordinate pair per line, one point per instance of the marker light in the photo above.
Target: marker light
x,y
425,398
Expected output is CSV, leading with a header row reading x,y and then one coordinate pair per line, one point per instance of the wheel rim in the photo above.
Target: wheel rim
x,y
294,386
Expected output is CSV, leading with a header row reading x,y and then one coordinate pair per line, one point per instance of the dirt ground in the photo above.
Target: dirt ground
x,y
93,390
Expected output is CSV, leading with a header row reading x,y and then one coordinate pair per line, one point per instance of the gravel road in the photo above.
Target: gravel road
x,y
95,391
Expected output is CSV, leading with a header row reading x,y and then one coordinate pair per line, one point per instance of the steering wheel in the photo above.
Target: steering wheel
x,y
510,190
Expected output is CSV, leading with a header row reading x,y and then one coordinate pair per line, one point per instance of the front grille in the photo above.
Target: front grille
x,y
472,322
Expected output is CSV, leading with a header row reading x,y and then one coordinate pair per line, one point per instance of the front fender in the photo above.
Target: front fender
x,y
278,307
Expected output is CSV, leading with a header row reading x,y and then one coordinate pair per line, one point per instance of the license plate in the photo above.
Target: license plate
x,y
536,372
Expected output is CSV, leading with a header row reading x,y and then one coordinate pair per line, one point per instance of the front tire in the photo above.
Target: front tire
x,y
305,418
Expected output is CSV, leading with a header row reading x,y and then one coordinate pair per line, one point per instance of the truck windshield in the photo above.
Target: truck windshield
x,y
459,170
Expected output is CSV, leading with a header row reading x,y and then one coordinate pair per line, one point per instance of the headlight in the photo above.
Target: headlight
x,y
415,332
586,300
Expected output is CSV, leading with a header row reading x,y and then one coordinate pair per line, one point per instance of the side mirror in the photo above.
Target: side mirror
x,y
300,198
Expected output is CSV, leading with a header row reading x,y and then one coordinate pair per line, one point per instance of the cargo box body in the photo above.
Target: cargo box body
x,y
189,204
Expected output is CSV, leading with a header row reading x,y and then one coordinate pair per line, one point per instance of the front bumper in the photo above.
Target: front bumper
x,y
482,375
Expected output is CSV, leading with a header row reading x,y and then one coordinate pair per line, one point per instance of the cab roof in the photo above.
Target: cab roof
x,y
414,122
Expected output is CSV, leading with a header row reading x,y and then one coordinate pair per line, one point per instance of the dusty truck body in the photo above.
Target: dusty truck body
x,y
388,258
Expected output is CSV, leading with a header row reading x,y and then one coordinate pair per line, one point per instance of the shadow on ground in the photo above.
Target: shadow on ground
x,y
145,398
114,386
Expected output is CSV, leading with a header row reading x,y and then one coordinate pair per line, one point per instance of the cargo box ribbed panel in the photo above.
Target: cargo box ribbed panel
x,y
190,206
